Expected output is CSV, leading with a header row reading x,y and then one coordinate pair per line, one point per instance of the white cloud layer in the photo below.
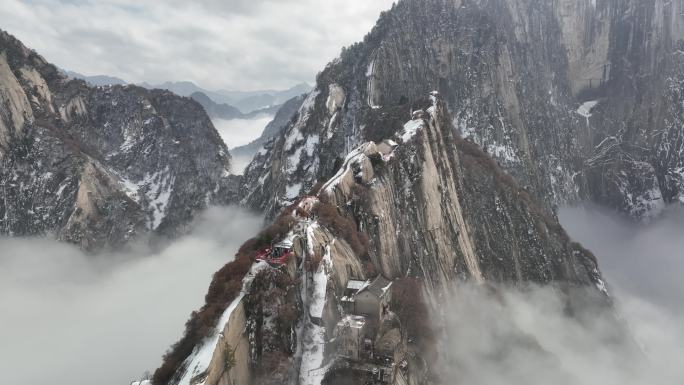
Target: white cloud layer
x,y
69,318
644,260
233,44
527,337
239,132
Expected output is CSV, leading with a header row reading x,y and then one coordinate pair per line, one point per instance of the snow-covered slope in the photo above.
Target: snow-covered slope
x,y
434,208
97,166
538,85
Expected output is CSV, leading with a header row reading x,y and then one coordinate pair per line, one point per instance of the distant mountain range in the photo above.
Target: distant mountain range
x,y
98,167
244,101
97,80
228,112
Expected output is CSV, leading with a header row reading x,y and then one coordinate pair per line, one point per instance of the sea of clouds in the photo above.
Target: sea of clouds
x,y
72,318
528,336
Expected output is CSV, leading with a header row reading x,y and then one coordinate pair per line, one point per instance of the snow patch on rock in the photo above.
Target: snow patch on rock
x,y
311,144
504,153
312,370
586,108
410,129
199,360
292,191
155,190
336,98
292,161
356,155
321,278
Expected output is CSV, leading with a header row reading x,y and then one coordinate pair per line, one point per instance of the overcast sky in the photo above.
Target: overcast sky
x,y
230,44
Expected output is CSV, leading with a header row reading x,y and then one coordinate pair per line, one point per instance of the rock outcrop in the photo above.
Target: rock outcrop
x,y
543,87
98,166
422,204
459,185
443,208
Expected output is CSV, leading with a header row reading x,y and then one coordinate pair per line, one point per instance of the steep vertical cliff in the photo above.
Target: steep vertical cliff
x,y
575,99
421,205
435,152
97,166
441,208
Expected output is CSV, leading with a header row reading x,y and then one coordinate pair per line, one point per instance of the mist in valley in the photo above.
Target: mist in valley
x,y
526,336
72,318
239,132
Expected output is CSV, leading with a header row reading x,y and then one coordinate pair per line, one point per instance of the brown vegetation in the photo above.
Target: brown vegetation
x,y
408,303
224,288
472,155
273,368
313,262
342,227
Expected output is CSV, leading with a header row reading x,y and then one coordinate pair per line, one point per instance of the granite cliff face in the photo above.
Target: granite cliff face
x,y
98,166
432,153
442,209
577,100
531,104
421,207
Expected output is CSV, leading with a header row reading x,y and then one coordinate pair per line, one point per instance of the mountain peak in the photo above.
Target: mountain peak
x,y
99,166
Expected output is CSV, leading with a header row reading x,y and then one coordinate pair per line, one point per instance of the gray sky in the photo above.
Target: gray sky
x,y
231,44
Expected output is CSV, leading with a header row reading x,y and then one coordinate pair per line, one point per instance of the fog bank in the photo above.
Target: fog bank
x,y
646,261
238,132
528,336
70,318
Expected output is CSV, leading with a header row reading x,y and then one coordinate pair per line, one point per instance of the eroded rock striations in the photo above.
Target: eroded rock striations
x,y
577,100
421,207
532,104
97,166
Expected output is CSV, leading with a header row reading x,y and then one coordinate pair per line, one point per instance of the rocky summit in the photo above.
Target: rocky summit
x,y
577,100
436,151
432,155
99,166
413,213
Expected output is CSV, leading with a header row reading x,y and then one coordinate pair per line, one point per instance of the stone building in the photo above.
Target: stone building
x,y
370,299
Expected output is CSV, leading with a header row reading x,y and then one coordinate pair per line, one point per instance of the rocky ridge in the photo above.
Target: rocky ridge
x,y
577,100
422,204
99,166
